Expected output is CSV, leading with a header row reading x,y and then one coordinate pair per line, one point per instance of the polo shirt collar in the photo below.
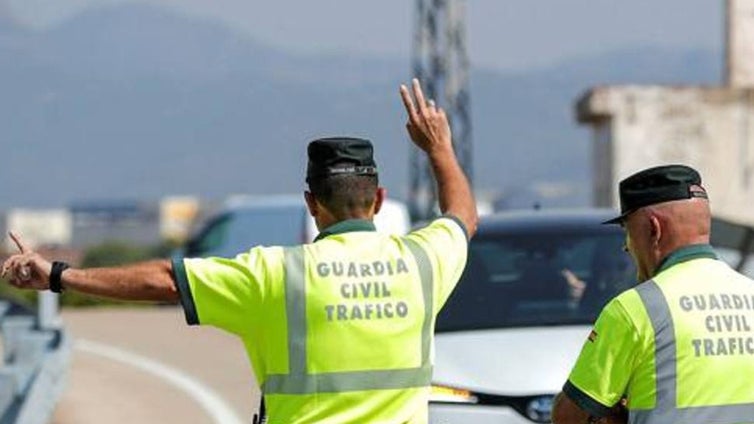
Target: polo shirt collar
x,y
347,226
687,253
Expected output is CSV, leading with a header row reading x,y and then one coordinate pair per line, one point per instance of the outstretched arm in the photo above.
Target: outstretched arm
x,y
429,129
150,280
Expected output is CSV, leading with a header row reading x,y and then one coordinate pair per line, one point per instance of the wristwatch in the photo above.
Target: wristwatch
x,y
56,286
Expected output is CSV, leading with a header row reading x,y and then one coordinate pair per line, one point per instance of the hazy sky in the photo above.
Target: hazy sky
x,y
506,34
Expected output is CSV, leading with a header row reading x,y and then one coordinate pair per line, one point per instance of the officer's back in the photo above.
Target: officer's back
x,y
679,347
340,330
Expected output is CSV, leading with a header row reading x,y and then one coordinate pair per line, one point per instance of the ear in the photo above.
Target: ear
x,y
311,203
379,197
655,230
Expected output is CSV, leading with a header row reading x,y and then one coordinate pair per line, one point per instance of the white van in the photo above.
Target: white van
x,y
277,220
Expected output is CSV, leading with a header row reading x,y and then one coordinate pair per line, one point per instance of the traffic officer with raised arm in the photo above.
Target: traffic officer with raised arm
x,y
679,347
339,330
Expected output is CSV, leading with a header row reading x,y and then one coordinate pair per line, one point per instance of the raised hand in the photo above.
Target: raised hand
x,y
26,269
427,124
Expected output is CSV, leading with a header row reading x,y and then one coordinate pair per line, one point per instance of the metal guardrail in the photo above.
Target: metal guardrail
x,y
34,369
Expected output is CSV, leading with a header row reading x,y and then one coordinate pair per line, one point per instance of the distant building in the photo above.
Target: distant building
x,y
39,227
178,215
710,128
86,224
97,222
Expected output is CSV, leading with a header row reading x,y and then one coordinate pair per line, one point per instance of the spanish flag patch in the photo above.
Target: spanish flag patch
x,y
592,336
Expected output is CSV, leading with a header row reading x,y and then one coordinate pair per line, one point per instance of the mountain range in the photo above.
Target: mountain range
x,y
135,102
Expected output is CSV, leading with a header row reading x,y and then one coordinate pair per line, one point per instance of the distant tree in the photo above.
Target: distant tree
x,y
24,297
113,253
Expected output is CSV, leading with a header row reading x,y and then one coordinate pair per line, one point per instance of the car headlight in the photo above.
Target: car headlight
x,y
535,408
539,409
447,394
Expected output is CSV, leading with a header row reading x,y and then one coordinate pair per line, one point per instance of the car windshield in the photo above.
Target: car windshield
x,y
271,226
239,231
541,279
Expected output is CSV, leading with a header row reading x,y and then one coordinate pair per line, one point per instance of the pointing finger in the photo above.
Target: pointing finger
x,y
21,245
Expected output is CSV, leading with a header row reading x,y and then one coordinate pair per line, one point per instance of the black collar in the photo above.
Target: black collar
x,y
346,226
687,253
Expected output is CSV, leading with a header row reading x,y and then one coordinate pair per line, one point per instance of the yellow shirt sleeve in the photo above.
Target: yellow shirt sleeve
x,y
603,369
446,244
227,293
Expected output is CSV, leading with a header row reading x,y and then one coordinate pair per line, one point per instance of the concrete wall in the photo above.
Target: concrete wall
x,y
740,43
709,128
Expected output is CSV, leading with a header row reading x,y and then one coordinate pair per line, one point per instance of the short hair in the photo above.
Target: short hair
x,y
344,194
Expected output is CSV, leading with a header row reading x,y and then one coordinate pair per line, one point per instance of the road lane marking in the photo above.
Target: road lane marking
x,y
211,402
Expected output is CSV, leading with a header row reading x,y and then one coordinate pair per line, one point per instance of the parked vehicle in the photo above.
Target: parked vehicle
x,y
508,336
277,220
734,242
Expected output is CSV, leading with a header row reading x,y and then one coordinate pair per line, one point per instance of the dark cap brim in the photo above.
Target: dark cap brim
x,y
618,219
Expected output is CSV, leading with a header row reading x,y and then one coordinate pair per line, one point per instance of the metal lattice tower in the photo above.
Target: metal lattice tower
x,y
441,63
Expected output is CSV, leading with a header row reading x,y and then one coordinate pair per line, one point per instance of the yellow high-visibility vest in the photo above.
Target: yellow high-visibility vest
x,y
339,330
679,347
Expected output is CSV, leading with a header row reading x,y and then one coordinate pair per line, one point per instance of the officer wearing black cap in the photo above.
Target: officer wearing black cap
x,y
340,155
679,347
657,185
339,330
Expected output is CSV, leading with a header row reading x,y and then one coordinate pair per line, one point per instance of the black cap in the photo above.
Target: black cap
x,y
340,155
657,185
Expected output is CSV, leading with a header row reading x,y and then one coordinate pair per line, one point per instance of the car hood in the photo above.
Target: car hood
x,y
513,362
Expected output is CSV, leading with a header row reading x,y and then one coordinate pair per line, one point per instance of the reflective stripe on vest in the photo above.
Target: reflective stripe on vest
x,y
666,410
298,381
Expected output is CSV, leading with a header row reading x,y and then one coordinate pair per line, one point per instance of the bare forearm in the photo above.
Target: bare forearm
x,y
151,280
454,193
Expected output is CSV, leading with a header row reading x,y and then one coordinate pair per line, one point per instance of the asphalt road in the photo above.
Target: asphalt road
x,y
146,365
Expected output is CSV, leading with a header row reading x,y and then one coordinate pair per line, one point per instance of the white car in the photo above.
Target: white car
x,y
510,333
